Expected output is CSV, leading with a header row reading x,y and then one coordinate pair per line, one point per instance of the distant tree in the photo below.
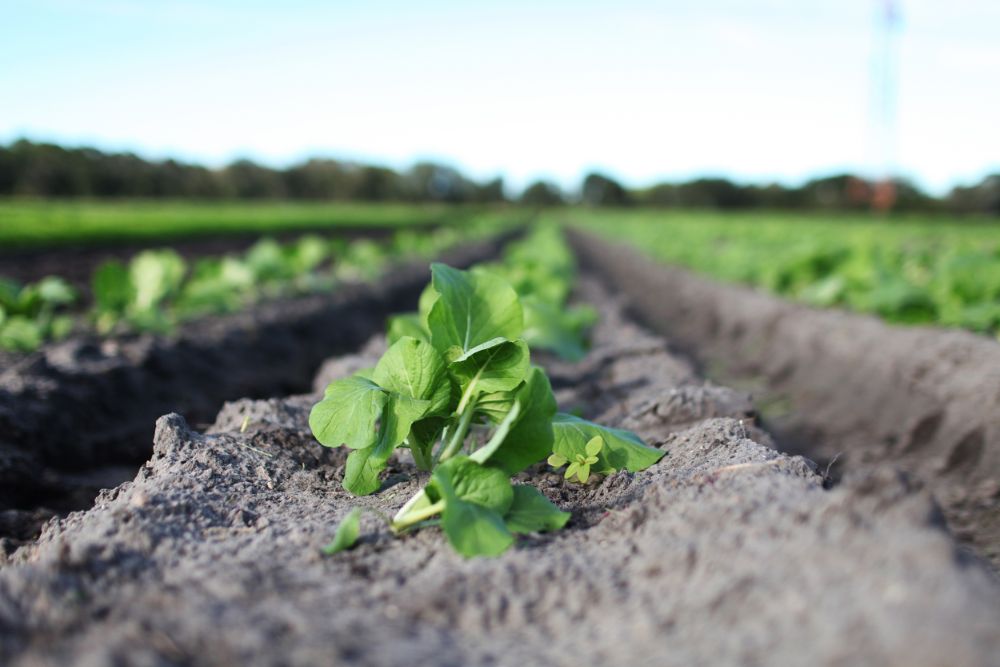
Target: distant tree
x,y
983,197
249,180
601,190
542,193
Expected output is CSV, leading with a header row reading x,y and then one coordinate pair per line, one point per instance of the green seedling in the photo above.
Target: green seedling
x,y
457,389
580,465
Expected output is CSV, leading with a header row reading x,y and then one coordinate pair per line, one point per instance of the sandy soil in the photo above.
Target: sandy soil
x,y
726,552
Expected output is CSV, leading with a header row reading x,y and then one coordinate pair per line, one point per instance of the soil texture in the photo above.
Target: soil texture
x,y
727,552
839,387
78,416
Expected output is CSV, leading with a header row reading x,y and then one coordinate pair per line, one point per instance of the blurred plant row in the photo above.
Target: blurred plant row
x,y
912,273
158,289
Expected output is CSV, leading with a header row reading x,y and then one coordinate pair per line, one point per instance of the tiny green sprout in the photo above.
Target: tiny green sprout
x,y
347,533
580,466
245,424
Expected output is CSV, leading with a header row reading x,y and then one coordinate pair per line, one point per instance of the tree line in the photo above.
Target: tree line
x,y
46,170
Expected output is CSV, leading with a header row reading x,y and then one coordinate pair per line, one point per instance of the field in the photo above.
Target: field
x,y
26,223
546,449
911,270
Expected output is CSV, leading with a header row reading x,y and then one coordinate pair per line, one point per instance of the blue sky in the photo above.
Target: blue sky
x,y
755,90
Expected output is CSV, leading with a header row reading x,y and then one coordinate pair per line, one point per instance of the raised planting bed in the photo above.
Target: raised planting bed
x,y
724,552
78,415
842,388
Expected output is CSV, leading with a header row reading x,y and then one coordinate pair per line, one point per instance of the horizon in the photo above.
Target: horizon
x,y
774,93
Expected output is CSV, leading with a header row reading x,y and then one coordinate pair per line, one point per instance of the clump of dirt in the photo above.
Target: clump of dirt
x,y
837,386
726,552
78,415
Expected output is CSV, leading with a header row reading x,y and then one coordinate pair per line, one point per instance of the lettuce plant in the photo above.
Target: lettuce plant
x,y
457,388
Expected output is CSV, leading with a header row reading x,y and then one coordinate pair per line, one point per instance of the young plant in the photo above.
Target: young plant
x,y
29,314
461,394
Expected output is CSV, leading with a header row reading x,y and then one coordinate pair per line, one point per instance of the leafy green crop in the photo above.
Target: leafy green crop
x,y
462,395
30,314
920,271
542,272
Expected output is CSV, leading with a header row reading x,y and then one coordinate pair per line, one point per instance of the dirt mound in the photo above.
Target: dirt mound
x,y
837,385
726,552
76,414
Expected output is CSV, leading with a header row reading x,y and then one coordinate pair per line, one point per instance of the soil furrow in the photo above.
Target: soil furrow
x,y
837,386
726,552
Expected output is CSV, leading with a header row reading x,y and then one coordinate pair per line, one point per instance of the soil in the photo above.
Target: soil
x,y
76,263
839,387
78,416
726,552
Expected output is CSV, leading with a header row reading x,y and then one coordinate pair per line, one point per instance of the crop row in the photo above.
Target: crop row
x,y
158,289
919,272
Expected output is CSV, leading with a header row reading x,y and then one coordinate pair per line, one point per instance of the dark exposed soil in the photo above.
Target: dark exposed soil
x,y
725,553
838,386
77,263
78,416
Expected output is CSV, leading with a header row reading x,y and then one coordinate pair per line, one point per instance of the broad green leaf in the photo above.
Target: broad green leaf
x,y
412,367
155,275
467,480
348,413
20,334
496,405
55,291
474,530
472,308
532,512
408,324
500,367
622,450
529,437
347,533
111,287
427,299
476,498
361,474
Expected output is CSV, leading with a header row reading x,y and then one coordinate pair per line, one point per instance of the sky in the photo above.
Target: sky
x,y
755,90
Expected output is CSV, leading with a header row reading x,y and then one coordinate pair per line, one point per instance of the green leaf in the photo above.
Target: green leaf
x,y
55,291
472,308
500,367
476,498
155,275
622,450
361,474
408,324
532,512
412,367
594,446
549,326
20,334
557,460
467,480
474,530
348,413
529,437
347,533
111,287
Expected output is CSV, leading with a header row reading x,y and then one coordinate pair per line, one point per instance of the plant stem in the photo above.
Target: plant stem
x,y
416,516
454,445
421,456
